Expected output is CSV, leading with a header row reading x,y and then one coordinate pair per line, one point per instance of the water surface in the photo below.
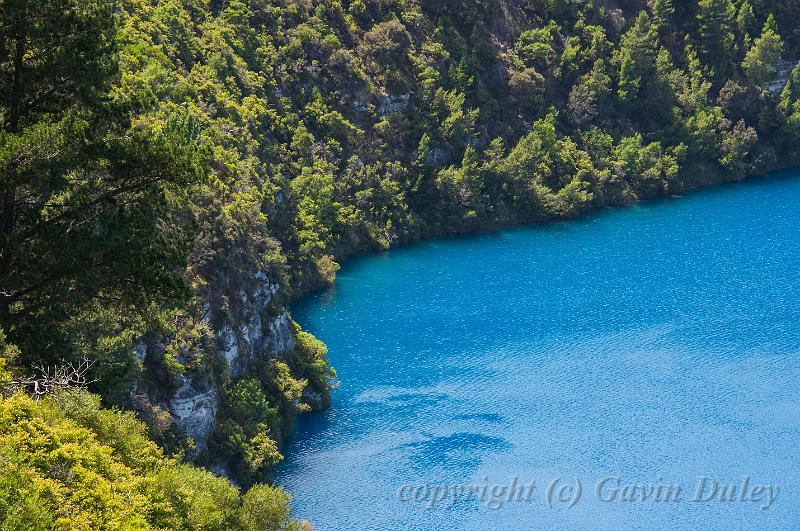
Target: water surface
x,y
656,344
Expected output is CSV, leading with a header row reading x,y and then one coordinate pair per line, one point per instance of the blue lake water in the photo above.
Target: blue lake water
x,y
655,344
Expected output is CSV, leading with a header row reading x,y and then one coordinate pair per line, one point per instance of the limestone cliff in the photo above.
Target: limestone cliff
x,y
263,330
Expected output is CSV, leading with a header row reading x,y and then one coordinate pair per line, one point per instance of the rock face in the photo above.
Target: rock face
x,y
261,334
280,338
785,68
194,411
391,104
255,339
313,398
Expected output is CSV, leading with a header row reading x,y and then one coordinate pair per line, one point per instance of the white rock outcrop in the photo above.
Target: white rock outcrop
x,y
390,104
777,83
280,336
194,405
195,411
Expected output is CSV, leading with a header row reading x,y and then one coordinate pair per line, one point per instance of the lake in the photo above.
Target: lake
x,y
638,368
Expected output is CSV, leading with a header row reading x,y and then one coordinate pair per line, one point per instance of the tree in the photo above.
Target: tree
x,y
42,72
535,46
761,61
714,26
663,11
648,168
386,43
52,55
737,148
462,187
745,20
264,508
87,200
526,87
636,59
789,105
582,104
738,101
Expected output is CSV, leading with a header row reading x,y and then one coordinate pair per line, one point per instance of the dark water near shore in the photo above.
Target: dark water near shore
x,y
655,344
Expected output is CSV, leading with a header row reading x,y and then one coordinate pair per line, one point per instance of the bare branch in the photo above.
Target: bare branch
x,y
50,379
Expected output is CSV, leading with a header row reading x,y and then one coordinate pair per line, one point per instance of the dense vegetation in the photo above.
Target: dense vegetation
x,y
68,464
158,158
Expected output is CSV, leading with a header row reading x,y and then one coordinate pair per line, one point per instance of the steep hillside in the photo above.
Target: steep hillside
x,y
176,171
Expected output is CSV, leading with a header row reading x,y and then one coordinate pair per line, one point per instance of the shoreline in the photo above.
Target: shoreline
x,y
499,227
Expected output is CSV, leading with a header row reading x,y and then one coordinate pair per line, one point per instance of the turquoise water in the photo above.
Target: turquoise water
x,y
654,344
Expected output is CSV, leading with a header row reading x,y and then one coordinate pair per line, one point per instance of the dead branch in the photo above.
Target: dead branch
x,y
52,378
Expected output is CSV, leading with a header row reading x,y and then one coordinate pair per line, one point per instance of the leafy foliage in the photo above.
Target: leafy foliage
x,y
68,464
161,162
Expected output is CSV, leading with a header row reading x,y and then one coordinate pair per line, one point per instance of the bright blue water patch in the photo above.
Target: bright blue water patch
x,y
656,344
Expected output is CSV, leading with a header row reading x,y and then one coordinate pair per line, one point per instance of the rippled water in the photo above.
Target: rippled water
x,y
656,344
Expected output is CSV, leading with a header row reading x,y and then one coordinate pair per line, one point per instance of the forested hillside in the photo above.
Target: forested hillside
x,y
175,171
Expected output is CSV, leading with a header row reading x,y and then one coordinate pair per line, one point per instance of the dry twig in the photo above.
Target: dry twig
x,y
50,379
